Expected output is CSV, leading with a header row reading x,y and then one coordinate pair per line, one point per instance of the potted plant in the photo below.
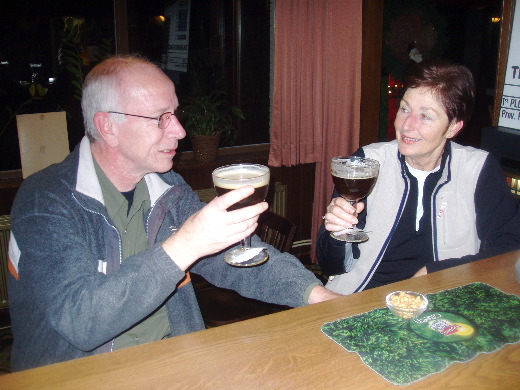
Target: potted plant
x,y
206,119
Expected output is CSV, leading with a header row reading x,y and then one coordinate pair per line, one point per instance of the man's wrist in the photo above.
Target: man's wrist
x,y
320,294
308,291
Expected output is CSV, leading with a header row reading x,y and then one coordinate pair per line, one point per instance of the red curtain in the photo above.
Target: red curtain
x,y
317,88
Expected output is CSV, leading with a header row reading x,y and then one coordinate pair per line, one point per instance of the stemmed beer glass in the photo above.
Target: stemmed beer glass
x,y
354,177
231,177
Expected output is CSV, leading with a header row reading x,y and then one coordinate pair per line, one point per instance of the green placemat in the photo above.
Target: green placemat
x,y
459,324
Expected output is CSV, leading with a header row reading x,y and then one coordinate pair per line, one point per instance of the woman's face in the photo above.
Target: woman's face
x,y
422,128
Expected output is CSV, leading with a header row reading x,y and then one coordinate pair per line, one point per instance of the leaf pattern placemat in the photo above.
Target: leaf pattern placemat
x,y
459,324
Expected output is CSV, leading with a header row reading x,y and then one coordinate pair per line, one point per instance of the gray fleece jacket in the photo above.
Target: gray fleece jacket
x,y
70,295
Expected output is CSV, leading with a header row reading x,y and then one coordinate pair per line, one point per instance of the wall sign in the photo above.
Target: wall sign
x,y
509,115
178,14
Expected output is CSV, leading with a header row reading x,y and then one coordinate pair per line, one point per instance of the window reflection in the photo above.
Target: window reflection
x,y
49,46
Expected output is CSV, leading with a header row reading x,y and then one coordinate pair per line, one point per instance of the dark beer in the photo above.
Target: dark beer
x,y
232,177
354,177
256,197
354,189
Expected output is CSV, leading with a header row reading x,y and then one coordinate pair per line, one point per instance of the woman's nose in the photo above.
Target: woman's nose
x,y
408,123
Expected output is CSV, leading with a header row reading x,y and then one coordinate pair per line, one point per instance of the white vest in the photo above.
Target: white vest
x,y
454,231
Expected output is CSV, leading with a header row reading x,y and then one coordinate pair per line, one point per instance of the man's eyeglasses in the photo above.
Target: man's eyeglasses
x,y
163,120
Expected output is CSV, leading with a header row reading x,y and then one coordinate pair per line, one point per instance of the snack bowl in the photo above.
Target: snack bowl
x,y
406,304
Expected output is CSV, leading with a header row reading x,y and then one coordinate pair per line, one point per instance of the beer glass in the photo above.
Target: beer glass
x,y
231,177
354,177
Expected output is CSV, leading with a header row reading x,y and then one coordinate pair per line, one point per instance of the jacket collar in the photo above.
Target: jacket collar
x,y
87,182
446,154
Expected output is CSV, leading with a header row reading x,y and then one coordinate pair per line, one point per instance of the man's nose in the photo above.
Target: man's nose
x,y
175,128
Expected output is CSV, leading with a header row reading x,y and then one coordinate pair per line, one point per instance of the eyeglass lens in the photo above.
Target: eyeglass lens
x,y
164,120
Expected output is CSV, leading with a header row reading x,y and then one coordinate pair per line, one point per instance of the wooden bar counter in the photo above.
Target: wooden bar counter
x,y
286,350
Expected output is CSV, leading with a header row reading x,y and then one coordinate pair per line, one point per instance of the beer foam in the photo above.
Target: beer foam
x,y
358,172
238,176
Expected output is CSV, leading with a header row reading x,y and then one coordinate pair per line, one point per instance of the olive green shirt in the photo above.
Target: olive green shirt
x,y
130,224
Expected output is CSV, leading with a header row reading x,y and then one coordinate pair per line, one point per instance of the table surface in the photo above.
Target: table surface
x,y
285,350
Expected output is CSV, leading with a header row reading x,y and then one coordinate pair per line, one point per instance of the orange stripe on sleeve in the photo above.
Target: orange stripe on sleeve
x,y
184,280
12,268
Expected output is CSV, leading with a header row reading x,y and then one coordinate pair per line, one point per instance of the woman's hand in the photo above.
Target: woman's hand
x,y
213,228
341,215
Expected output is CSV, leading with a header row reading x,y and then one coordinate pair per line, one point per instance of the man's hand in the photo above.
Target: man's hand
x,y
341,215
320,294
213,228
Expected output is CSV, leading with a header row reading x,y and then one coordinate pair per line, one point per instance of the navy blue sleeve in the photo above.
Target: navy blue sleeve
x,y
498,217
330,252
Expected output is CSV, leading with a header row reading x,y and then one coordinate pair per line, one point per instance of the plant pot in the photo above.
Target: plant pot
x,y
205,147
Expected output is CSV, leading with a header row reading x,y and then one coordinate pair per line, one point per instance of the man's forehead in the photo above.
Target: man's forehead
x,y
144,85
145,77
138,72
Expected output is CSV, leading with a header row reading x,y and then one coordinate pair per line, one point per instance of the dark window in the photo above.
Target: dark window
x,y
229,47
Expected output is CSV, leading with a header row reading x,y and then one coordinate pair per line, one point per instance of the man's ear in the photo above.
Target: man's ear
x,y
104,125
454,128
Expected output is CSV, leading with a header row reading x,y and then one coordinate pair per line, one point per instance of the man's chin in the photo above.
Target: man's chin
x,y
163,168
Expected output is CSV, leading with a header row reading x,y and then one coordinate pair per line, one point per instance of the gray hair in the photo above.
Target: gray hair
x,y
101,92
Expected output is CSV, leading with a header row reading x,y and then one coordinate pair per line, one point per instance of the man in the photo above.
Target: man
x,y
101,242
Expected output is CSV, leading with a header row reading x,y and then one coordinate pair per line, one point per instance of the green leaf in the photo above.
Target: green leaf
x,y
71,60
73,70
77,84
69,47
237,112
41,90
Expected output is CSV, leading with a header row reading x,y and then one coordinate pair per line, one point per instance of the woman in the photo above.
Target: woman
x,y
436,204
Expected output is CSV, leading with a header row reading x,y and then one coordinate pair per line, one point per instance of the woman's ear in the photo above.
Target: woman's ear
x,y
105,127
454,128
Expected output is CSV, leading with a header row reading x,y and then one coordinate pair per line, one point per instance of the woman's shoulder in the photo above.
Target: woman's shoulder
x,y
468,154
381,150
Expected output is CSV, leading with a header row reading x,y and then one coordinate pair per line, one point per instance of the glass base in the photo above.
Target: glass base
x,y
233,258
354,235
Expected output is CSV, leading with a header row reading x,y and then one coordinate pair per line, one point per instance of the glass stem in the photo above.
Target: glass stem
x,y
246,243
353,204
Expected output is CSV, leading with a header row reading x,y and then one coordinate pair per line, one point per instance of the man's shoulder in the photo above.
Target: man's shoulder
x,y
52,177
45,188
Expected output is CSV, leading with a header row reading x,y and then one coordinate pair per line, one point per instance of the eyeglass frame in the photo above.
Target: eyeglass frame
x,y
158,119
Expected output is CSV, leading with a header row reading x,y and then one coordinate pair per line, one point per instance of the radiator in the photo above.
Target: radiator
x,y
279,205
5,229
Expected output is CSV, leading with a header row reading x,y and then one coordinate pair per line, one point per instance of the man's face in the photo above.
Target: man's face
x,y
142,146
